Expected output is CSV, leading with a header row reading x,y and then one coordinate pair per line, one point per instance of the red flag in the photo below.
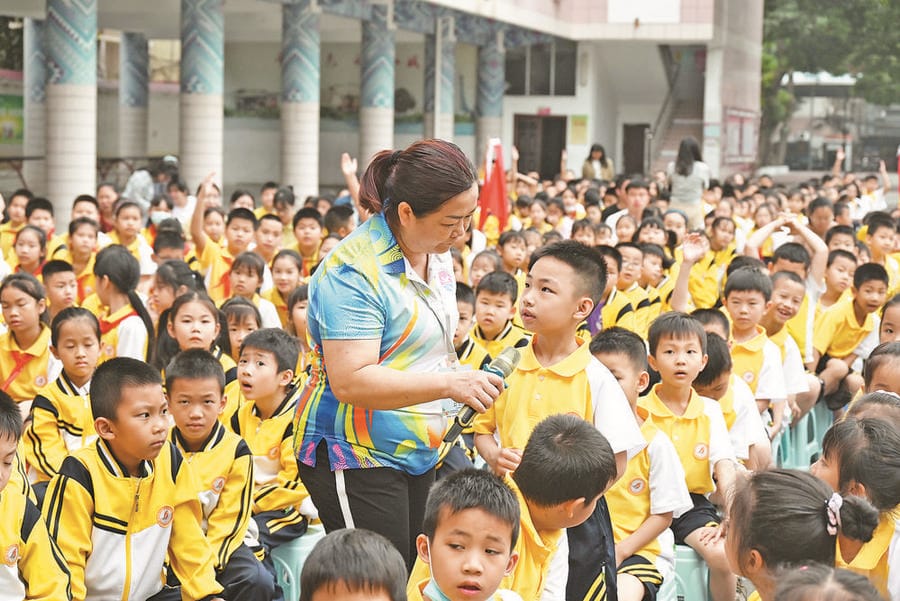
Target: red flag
x,y
492,200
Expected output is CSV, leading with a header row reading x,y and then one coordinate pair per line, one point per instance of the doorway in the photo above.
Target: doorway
x,y
540,141
634,147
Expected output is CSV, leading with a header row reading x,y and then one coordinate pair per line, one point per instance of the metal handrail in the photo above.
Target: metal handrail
x,y
664,116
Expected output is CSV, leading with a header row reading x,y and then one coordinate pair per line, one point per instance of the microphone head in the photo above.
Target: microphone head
x,y
506,361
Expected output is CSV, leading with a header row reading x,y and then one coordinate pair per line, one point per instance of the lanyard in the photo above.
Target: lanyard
x,y
425,293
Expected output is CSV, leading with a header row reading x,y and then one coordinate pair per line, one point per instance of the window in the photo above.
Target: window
x,y
542,69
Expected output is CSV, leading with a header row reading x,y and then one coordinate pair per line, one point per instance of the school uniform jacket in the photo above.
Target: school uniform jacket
x,y
116,531
32,566
223,472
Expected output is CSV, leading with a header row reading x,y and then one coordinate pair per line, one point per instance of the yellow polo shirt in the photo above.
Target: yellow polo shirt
x,y
873,559
510,335
24,372
215,262
838,333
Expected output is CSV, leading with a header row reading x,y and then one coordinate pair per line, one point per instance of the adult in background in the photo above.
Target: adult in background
x,y
688,178
382,314
597,165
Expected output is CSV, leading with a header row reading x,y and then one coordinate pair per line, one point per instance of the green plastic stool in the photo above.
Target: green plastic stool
x,y
805,442
782,445
824,418
691,575
290,557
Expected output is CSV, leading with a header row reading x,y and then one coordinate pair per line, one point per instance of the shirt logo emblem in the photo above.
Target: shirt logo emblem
x,y
748,376
218,484
701,451
41,380
11,555
637,486
164,516
274,453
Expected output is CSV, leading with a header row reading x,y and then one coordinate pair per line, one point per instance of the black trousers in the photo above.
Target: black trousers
x,y
592,558
383,500
244,578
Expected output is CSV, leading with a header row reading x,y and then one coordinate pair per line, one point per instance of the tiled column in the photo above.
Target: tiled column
x,y
300,72
376,112
71,37
134,81
491,86
445,74
428,95
34,94
202,82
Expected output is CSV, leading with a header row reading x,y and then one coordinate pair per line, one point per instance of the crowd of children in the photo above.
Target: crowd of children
x,y
152,359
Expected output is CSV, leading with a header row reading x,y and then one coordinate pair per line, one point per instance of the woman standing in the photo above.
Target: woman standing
x,y
382,314
597,165
688,179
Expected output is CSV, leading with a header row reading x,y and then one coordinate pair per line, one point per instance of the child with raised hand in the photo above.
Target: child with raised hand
x,y
61,420
643,502
353,564
223,465
26,364
469,538
125,325
819,581
30,251
246,276
861,458
696,427
33,566
286,268
808,519
241,318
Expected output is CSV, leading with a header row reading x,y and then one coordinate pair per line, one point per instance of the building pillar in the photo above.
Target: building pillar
x,y
300,91
445,74
376,112
134,91
428,96
712,110
491,88
71,37
35,108
202,82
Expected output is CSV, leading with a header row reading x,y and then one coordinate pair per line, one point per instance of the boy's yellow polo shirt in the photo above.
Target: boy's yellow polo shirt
x,y
838,333
24,372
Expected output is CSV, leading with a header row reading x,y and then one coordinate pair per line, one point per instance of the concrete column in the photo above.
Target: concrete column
x,y
202,82
376,112
489,101
445,74
71,37
712,111
35,108
134,91
428,96
300,72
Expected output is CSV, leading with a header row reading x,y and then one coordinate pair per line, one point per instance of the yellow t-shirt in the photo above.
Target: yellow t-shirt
x,y
874,558
510,335
838,333
24,372
215,262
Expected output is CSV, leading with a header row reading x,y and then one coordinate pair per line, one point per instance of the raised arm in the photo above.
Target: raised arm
x,y
197,233
759,237
693,249
885,180
817,246
838,166
349,167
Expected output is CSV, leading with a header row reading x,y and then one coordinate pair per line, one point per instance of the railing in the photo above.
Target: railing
x,y
663,122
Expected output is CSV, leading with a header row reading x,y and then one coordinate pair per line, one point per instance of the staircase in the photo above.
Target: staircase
x,y
686,120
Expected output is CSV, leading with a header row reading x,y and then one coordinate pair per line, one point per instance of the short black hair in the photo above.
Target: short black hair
x,y
112,376
819,202
69,314
608,251
840,253
786,275
465,294
566,458
86,198
307,213
748,279
55,266
472,489
359,559
741,261
655,250
621,341
270,217
195,364
675,325
875,221
282,345
792,252
711,317
498,282
241,213
870,272
637,184
336,217
10,417
167,239
38,203
837,230
511,236
284,197
586,262
252,261
718,362
77,223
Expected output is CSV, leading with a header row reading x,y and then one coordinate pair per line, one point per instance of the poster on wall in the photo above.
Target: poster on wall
x,y
12,123
578,133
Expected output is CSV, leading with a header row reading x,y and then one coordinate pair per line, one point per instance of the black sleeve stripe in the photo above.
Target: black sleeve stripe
x,y
74,469
43,462
644,303
289,431
242,450
42,402
108,528
176,461
624,311
235,423
230,375
32,515
109,518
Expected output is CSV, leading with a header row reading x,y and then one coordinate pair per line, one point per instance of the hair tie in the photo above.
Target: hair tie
x,y
833,513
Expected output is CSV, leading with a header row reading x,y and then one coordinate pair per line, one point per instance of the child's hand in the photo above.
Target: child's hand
x,y
694,247
514,152
206,190
507,461
348,164
710,535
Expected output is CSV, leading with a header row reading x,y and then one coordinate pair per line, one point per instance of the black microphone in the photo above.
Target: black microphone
x,y
502,365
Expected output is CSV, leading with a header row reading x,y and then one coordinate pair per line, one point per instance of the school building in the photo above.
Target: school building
x,y
263,89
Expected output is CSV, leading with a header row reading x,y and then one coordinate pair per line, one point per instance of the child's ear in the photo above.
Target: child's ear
x,y
511,563
53,350
104,428
704,361
569,507
422,548
170,327
651,361
643,381
857,489
222,402
285,377
585,306
42,305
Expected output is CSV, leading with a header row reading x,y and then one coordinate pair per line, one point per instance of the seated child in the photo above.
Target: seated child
x,y
652,490
82,250
889,329
808,519
33,566
223,466
123,507
697,429
820,581
469,535
495,307
281,506
245,277
842,330
353,564
838,278
861,458
61,286
484,263
881,371
613,308
628,283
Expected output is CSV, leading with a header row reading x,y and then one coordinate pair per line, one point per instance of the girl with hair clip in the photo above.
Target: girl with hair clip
x,y
780,519
26,364
125,325
30,251
172,279
287,265
861,458
819,582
